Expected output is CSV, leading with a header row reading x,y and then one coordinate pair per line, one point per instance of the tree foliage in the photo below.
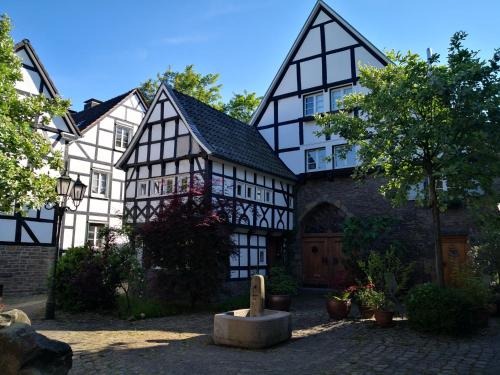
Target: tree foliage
x,y
425,122
192,244
206,89
25,154
242,106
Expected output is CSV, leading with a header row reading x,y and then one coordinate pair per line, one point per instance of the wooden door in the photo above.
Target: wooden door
x,y
323,261
454,250
315,256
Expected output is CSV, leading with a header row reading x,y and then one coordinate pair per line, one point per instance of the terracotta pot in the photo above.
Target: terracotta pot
x,y
279,302
481,317
366,312
384,318
338,309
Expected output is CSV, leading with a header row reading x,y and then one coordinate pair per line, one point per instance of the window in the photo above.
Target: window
x,y
183,184
122,136
338,94
100,183
349,160
249,192
239,189
316,159
258,194
158,187
313,104
168,187
267,196
93,235
143,189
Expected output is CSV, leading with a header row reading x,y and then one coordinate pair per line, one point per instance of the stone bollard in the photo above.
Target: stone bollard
x,y
257,295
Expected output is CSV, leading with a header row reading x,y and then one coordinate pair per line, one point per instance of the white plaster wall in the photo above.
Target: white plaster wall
x,y
311,44
289,81
338,66
337,37
311,73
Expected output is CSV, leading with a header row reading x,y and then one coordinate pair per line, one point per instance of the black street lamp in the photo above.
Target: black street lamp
x,y
65,188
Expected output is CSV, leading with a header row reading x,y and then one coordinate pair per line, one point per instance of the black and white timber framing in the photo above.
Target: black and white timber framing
x,y
37,227
96,151
325,56
183,143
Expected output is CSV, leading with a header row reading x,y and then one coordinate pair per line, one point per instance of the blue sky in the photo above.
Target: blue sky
x,y
103,48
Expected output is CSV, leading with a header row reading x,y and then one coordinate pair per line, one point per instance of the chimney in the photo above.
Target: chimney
x,y
90,103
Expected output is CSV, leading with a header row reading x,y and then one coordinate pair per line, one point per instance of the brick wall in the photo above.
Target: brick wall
x,y
24,270
354,198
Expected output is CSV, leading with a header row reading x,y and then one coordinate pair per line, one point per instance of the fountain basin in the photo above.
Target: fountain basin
x,y
237,328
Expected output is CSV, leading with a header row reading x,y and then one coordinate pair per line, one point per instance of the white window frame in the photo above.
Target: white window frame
x,y
181,188
120,126
249,192
318,105
140,193
259,194
335,158
100,173
241,187
268,196
321,163
168,186
342,90
94,242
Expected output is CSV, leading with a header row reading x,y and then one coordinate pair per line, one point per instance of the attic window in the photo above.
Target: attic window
x,y
122,136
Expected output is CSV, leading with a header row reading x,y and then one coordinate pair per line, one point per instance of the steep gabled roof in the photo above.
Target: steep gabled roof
x,y
92,115
228,138
219,135
26,45
319,7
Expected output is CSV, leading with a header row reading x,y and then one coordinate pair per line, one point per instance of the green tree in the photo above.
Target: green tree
x,y
242,106
422,121
202,87
25,155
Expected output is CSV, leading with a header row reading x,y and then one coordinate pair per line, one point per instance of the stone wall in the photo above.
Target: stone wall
x,y
362,199
24,270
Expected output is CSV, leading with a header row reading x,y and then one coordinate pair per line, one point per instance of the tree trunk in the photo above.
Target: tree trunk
x,y
436,230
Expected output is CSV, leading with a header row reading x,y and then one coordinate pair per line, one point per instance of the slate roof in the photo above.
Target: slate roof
x,y
228,138
87,117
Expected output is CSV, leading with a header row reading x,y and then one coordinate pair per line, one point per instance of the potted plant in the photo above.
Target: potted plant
x,y
338,305
383,307
281,287
362,297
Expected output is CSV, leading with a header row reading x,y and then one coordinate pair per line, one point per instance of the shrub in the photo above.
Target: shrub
x,y
280,282
433,309
192,243
81,282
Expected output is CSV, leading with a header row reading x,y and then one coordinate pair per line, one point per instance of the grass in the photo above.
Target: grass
x,y
141,308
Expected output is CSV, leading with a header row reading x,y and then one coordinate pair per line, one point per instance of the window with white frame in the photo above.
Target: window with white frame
x,y
337,97
343,157
249,192
158,186
168,186
316,159
239,189
93,239
259,196
313,104
183,184
122,136
100,182
143,189
267,196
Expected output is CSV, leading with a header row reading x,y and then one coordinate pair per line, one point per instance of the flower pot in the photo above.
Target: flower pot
x,y
279,302
338,309
384,318
366,312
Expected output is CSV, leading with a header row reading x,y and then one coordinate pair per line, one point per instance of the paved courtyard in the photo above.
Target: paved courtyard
x,y
182,345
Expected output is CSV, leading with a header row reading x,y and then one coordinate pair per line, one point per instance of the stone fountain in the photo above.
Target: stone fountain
x,y
253,328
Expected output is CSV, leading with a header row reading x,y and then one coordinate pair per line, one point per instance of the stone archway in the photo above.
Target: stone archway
x,y
321,238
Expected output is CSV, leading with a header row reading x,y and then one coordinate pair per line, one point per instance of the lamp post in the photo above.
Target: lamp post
x,y
65,188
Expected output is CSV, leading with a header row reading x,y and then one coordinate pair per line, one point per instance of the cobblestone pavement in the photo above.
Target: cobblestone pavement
x,y
182,345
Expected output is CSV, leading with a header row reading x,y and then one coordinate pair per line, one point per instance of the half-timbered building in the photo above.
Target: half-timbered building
x,y
182,144
106,130
27,241
320,69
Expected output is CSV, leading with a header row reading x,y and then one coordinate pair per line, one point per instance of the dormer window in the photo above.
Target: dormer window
x,y
313,104
337,97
